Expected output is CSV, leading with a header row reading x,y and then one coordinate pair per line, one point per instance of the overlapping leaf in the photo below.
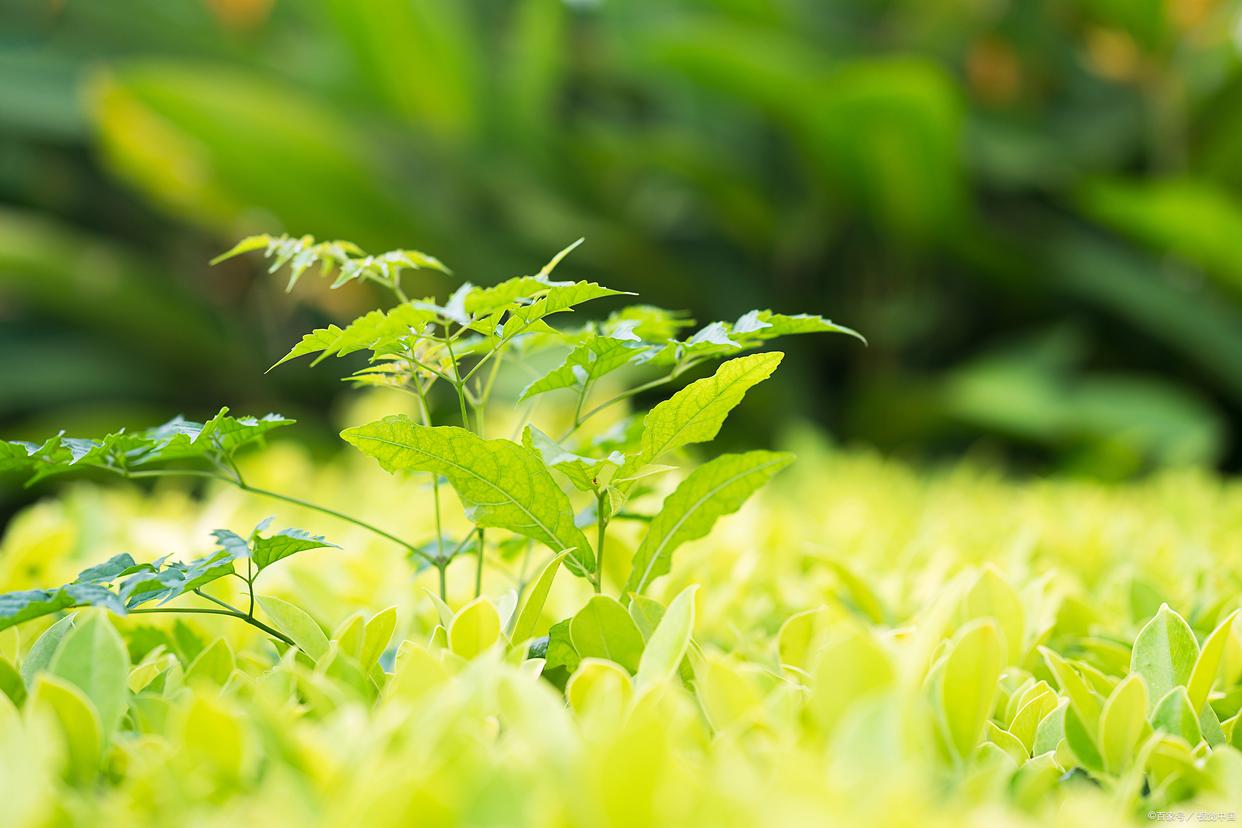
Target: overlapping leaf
x,y
121,584
178,439
716,488
503,484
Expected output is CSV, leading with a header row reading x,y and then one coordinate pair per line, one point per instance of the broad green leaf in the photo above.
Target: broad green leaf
x,y
93,658
1199,687
526,619
559,650
968,683
1081,741
376,636
1051,730
297,624
991,596
475,628
41,652
213,666
1175,715
851,666
1083,699
667,646
599,684
11,684
502,484
603,629
1034,708
646,613
1164,653
716,488
1122,721
797,635
695,413
79,723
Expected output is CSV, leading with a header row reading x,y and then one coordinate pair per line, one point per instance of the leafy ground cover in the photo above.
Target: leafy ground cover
x,y
501,634
831,646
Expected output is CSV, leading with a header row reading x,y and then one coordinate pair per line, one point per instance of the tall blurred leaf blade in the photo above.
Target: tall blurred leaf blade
x,y
1193,219
212,142
422,58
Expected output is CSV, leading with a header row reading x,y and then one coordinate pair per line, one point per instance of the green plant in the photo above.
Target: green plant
x,y
460,347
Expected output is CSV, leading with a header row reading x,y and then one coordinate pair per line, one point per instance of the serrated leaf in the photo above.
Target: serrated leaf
x,y
320,339
595,356
23,605
560,297
695,413
246,245
502,484
603,629
715,489
1164,652
267,550
762,325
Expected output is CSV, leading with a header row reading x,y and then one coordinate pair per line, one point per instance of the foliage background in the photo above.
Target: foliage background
x,y
1031,209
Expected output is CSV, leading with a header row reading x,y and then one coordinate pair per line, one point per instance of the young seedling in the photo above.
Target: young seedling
x,y
458,347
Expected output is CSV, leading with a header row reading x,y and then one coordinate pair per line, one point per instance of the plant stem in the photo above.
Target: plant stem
x,y
305,504
625,395
296,501
442,565
601,528
240,616
478,571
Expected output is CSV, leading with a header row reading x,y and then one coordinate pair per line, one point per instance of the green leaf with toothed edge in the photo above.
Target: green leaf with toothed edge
x,y
501,483
590,359
715,489
177,439
695,413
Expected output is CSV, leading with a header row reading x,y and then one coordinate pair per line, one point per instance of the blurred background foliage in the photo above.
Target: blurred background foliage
x,y
1031,209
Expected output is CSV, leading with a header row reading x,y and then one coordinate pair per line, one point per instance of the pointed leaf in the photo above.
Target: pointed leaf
x,y
502,484
695,413
968,683
667,646
297,624
93,658
714,489
603,629
526,619
1164,653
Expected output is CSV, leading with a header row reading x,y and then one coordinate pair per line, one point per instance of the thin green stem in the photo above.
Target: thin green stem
x,y
478,570
296,501
458,383
601,530
370,527
579,420
442,565
254,622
